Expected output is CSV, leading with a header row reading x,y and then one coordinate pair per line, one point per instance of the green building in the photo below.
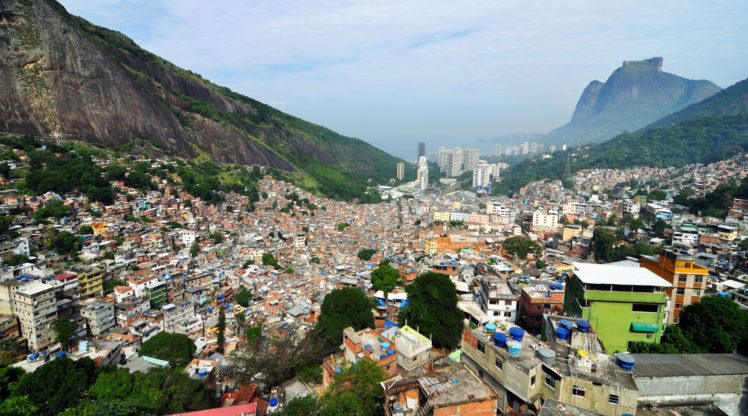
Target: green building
x,y
623,303
157,295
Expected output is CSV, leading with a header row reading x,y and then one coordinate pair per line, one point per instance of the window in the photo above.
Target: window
x,y
678,305
698,279
550,382
681,291
645,307
532,381
498,364
613,399
481,347
696,293
577,391
682,278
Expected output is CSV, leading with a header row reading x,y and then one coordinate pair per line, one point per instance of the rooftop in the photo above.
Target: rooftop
x,y
33,287
617,275
683,365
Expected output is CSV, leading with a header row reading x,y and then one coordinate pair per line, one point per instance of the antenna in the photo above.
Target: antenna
x,y
567,170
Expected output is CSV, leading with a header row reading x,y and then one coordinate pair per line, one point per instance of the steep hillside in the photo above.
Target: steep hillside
x,y
63,77
712,130
634,96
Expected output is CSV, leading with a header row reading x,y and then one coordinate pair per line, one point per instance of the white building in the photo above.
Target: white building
x,y
422,176
99,317
35,306
542,219
182,319
400,171
481,174
497,300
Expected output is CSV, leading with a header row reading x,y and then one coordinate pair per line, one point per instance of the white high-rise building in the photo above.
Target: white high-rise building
x,y
498,150
422,175
400,171
470,158
482,174
36,308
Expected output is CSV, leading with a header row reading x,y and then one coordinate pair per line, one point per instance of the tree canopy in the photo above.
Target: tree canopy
x,y
521,246
432,308
177,349
57,385
343,308
384,278
242,297
366,253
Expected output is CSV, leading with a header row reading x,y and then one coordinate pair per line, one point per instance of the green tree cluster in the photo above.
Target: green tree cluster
x,y
343,308
72,171
268,259
432,308
177,349
365,254
242,297
521,246
384,277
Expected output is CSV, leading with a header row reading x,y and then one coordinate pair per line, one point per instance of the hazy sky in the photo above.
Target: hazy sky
x,y
445,72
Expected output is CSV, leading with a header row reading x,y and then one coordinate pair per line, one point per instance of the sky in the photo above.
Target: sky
x,y
448,73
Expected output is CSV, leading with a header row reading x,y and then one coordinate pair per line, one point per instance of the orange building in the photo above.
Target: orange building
x,y
688,279
366,344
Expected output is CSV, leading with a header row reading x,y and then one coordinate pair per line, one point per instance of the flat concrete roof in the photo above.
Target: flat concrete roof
x,y
608,274
682,365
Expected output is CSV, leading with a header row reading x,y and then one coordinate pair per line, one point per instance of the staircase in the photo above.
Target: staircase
x,y
424,410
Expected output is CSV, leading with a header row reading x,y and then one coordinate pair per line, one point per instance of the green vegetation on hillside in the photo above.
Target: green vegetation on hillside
x,y
433,309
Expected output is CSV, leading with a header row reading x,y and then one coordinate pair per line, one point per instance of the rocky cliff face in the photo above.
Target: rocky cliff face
x,y
63,77
635,95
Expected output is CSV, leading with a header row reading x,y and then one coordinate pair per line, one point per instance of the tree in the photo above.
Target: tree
x,y
86,230
115,172
366,253
115,385
521,246
177,349
268,259
111,283
217,238
64,330
715,324
300,406
241,319
432,308
356,391
57,385
603,244
221,336
194,249
656,195
659,227
384,278
343,308
743,245
18,406
254,333
540,264
9,378
242,297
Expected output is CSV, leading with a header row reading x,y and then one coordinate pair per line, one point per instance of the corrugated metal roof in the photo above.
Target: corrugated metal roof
x,y
679,365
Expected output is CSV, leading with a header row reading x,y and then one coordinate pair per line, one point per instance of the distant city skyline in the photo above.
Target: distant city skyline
x,y
447,74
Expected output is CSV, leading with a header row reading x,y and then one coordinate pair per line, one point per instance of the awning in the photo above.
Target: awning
x,y
644,327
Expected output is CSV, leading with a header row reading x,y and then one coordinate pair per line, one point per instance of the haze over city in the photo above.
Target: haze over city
x,y
396,73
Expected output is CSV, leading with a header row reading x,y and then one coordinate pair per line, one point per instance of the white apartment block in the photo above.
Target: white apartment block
x,y
542,219
497,300
35,306
99,317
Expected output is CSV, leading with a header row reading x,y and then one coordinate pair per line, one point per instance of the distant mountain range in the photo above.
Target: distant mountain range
x,y
63,77
711,130
635,95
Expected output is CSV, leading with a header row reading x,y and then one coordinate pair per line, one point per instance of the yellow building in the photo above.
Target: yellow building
x,y
728,232
441,216
430,246
688,279
90,280
571,231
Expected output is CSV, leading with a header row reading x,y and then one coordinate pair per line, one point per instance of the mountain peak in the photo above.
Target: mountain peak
x,y
635,95
655,62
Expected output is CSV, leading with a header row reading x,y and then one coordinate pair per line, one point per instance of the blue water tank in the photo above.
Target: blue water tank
x,y
273,401
202,372
517,333
383,356
390,352
625,360
562,333
567,324
583,326
491,328
514,348
385,345
499,339
61,354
